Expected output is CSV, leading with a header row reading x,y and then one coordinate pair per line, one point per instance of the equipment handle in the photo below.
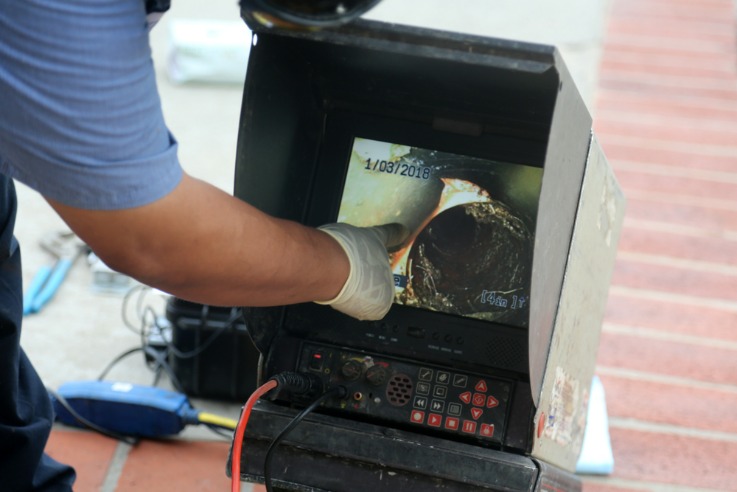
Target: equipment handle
x,y
34,288
52,285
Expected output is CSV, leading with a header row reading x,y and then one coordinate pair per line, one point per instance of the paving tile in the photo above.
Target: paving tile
x,y
669,86
621,122
703,245
632,148
90,454
685,108
589,485
671,404
667,120
706,283
669,317
701,10
706,136
663,458
635,62
684,46
680,182
678,28
176,465
669,358
700,213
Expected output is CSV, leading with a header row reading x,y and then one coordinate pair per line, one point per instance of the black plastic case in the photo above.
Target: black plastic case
x,y
214,357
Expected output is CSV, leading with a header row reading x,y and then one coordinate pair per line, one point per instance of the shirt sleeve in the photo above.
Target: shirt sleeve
x,y
80,115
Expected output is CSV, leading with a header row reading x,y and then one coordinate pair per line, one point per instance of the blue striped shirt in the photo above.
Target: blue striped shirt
x,y
80,115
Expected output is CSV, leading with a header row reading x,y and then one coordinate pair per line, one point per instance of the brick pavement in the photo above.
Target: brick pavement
x,y
666,115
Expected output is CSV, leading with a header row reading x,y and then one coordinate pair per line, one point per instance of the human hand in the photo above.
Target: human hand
x,y
369,290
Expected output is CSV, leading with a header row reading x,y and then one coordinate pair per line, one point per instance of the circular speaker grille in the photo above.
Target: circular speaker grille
x,y
399,390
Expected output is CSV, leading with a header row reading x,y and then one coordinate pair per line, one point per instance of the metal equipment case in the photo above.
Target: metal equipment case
x,y
437,399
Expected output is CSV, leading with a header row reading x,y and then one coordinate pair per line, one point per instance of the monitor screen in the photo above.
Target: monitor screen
x,y
471,222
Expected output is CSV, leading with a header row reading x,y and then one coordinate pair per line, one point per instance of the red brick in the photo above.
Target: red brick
x,y
668,358
685,49
589,485
176,465
674,460
671,404
707,284
688,107
671,34
638,63
632,179
717,42
632,149
670,86
725,136
701,215
668,96
688,62
668,317
90,454
708,246
663,10
660,125
671,28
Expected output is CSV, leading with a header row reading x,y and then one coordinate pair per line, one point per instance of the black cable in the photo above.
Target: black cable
x,y
145,330
90,425
163,364
206,344
116,360
157,355
335,391
124,310
221,431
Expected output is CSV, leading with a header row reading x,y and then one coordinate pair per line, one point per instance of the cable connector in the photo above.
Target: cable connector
x,y
299,384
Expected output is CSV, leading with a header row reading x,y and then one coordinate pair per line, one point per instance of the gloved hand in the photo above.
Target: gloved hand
x,y
369,291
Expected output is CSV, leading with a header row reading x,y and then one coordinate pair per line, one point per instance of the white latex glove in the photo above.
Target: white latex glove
x,y
369,291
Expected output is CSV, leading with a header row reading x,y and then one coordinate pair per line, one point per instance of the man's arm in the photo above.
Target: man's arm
x,y
201,244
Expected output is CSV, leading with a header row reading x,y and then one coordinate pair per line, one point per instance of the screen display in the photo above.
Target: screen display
x,y
472,225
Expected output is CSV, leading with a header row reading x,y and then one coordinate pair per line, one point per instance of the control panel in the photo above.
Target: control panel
x,y
406,392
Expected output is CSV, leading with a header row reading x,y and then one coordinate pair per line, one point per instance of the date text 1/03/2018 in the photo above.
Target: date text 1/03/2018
x,y
398,168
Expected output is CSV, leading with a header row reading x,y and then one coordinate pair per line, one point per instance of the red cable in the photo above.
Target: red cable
x,y
240,430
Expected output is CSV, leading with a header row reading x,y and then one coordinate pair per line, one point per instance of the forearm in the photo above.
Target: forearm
x,y
201,244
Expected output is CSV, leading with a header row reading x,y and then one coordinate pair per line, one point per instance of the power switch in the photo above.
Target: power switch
x,y
316,361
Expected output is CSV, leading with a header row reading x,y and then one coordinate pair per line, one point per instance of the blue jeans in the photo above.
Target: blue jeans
x,y
26,413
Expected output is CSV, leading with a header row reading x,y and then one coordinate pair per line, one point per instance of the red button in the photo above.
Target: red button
x,y
434,420
417,417
451,423
469,427
491,402
479,399
476,413
487,430
465,397
481,386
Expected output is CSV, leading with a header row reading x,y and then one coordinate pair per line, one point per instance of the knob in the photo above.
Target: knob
x,y
351,370
376,375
